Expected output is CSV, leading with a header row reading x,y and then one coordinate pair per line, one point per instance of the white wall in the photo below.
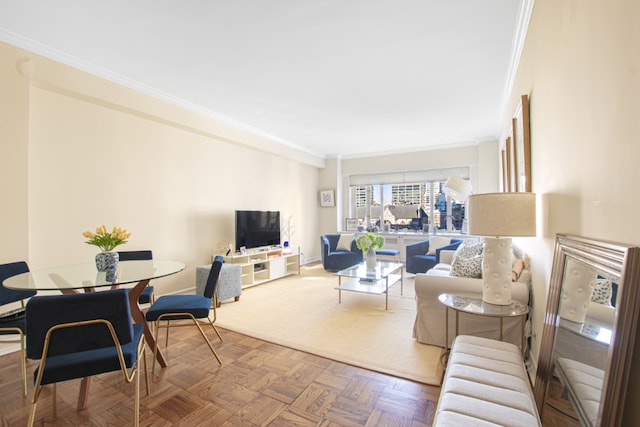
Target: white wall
x,y
580,68
14,130
80,151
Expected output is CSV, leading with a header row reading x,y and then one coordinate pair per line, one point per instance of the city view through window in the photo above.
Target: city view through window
x,y
420,206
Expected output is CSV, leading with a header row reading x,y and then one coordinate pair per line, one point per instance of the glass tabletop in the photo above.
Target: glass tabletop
x,y
80,276
383,269
474,304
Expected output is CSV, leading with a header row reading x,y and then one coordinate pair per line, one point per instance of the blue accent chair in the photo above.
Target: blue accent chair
x,y
185,307
81,335
13,322
418,262
146,297
333,260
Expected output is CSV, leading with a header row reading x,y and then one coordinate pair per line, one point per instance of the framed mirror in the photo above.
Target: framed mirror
x,y
589,332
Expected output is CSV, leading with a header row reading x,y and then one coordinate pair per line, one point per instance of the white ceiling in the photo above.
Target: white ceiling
x,y
332,77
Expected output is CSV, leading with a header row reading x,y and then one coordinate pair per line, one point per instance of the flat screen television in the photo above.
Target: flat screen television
x,y
257,228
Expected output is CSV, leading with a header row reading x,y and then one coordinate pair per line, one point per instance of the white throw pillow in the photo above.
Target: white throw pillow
x,y
436,242
344,243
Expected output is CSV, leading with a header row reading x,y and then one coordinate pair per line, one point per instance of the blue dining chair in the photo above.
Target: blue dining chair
x,y
146,297
185,307
81,335
13,321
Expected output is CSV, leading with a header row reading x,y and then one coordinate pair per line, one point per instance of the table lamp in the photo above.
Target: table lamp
x,y
498,217
457,189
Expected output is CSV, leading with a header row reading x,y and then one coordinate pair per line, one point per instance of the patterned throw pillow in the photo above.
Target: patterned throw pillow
x,y
467,261
601,291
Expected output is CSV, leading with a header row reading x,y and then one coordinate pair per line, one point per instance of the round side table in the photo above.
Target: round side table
x,y
473,304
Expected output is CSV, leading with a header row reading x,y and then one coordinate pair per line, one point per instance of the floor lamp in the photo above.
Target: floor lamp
x,y
457,189
496,215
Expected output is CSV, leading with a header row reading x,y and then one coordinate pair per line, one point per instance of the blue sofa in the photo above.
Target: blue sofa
x,y
418,262
333,260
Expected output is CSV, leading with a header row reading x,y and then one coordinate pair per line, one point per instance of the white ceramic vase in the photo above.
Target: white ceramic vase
x,y
370,259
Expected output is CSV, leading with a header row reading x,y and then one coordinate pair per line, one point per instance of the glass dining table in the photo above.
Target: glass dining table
x,y
86,278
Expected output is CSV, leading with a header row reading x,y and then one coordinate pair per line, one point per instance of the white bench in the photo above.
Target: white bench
x,y
584,384
485,384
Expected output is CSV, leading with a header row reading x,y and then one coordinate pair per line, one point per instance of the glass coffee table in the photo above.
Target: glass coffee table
x,y
378,281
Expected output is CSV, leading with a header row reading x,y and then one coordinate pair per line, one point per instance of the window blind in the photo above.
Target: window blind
x,y
408,177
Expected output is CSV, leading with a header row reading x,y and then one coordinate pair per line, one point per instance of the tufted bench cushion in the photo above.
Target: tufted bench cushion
x,y
584,384
485,384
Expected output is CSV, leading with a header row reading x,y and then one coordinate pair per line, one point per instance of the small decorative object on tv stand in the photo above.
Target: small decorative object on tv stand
x,y
267,263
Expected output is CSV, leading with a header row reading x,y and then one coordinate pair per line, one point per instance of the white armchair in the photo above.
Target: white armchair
x,y
429,326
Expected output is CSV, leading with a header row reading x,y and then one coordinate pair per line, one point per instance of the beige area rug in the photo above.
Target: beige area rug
x,y
302,312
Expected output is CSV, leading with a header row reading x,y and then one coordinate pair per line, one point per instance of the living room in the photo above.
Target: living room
x,y
80,150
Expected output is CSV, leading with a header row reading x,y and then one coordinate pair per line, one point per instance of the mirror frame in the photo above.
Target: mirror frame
x,y
617,259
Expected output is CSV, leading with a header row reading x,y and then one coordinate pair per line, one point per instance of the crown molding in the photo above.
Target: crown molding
x,y
88,67
520,36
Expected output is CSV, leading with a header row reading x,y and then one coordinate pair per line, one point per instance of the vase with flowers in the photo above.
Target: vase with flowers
x,y
107,260
368,243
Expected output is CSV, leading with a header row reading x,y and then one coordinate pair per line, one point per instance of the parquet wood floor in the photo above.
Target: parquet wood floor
x,y
259,384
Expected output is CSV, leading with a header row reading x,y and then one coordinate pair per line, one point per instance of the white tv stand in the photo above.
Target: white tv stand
x,y
263,264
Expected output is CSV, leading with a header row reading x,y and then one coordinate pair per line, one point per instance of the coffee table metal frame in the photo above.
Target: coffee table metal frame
x,y
375,281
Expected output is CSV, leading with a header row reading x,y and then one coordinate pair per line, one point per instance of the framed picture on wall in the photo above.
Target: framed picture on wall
x,y
513,179
509,164
503,164
351,224
522,146
327,199
505,178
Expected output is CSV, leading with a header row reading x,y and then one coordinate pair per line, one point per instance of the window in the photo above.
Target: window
x,y
404,205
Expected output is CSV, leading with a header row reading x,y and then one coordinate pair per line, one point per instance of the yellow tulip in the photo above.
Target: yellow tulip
x,y
105,240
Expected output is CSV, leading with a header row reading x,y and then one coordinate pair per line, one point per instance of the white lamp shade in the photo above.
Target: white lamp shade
x,y
502,214
457,188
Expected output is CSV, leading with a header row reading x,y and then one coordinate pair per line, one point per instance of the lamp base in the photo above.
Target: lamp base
x,y
496,270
